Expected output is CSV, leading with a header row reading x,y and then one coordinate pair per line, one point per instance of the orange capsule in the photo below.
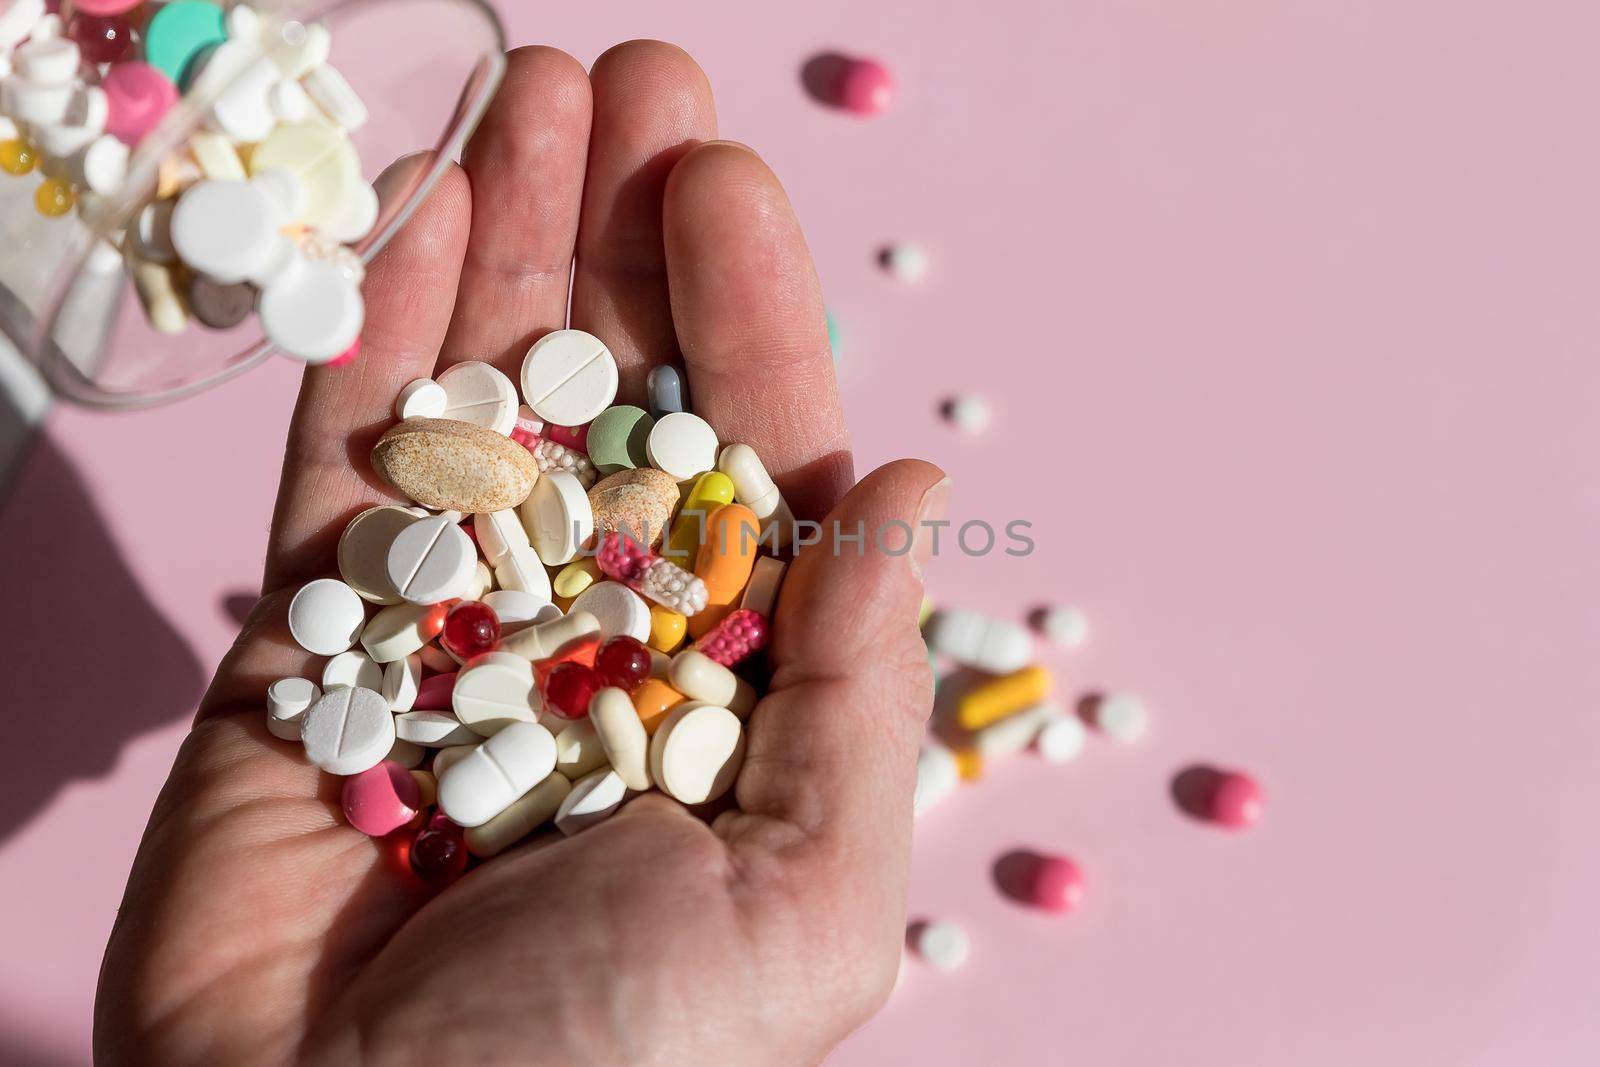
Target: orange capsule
x,y
726,558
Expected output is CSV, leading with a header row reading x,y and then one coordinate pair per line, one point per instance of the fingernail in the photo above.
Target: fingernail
x,y
931,510
731,144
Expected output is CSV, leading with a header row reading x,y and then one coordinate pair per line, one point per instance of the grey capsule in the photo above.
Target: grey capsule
x,y
665,389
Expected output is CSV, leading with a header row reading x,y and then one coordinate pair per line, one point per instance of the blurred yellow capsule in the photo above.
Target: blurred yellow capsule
x,y
994,700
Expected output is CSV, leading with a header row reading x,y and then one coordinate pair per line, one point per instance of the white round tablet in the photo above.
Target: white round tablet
x,y
348,730
364,552
1063,625
682,444
312,310
350,670
431,561
557,517
287,701
619,609
1121,716
569,377
495,691
401,680
1061,738
227,230
421,399
476,392
326,616
696,752
594,798
942,945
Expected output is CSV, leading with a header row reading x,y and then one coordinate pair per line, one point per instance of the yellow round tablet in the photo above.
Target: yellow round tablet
x,y
321,158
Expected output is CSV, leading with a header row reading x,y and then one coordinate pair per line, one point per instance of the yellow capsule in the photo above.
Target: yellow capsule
x,y
17,156
54,197
575,577
969,764
996,699
924,611
667,628
710,491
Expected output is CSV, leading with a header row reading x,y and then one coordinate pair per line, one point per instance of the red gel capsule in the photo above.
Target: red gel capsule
x,y
471,628
101,39
439,853
567,689
623,662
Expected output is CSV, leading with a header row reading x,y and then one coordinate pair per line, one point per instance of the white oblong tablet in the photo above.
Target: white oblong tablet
x,y
499,532
696,752
517,609
476,392
521,570
348,730
976,640
557,517
401,629
1015,732
433,729
333,94
287,701
352,669
400,681
432,560
761,593
364,552
326,616
525,815
594,798
622,735
421,399
489,779
682,444
619,610
569,377
495,690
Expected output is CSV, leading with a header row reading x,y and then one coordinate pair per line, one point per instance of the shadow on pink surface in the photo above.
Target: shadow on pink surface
x,y
81,638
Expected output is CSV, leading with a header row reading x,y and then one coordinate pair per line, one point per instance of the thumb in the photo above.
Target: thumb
x,y
832,749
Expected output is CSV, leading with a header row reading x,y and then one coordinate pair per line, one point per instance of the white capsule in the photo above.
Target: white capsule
x,y
622,735
978,641
1015,732
525,815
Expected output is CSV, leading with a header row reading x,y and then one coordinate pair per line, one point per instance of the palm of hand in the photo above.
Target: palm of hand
x,y
258,927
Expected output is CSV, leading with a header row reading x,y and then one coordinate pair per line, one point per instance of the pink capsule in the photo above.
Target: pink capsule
x,y
866,87
1235,800
573,437
381,799
1053,883
435,692
735,638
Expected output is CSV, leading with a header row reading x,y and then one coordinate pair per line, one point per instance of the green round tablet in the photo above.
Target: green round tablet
x,y
617,437
178,33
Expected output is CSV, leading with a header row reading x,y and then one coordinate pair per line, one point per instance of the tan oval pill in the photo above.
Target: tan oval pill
x,y
525,815
622,735
455,466
696,753
638,503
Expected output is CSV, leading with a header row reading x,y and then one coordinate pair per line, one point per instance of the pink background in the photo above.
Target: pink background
x,y
1287,315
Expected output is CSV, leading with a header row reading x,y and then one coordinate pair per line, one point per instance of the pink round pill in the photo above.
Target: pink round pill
x,y
435,692
866,87
103,8
138,96
1235,800
381,799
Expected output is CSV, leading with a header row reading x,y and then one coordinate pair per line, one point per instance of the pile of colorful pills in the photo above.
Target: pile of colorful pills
x,y
254,212
558,623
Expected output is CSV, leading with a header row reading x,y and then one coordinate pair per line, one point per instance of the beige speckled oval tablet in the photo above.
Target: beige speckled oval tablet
x,y
455,466
639,501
